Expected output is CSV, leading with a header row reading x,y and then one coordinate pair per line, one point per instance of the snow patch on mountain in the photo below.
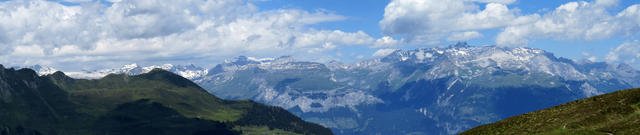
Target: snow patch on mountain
x,y
468,62
43,70
189,72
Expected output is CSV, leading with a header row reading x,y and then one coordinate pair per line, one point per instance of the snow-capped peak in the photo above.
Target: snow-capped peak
x,y
260,59
43,70
130,66
164,66
189,72
468,61
244,60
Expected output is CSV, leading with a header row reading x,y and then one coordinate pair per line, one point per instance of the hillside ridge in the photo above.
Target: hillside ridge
x,y
612,113
158,102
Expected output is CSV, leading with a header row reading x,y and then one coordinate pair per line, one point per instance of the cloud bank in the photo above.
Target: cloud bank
x,y
44,32
576,21
628,52
431,21
91,34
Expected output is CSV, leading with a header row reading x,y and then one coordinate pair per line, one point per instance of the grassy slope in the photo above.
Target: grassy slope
x,y
99,96
613,113
184,96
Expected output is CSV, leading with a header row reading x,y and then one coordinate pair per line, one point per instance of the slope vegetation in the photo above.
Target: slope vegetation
x,y
158,102
613,113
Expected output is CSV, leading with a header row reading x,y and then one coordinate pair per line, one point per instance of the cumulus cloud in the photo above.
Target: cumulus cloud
x,y
45,32
592,58
575,21
628,52
77,1
428,21
495,1
385,42
464,36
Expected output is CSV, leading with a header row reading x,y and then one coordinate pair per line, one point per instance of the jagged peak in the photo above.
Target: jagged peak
x,y
245,60
624,66
192,66
37,66
460,45
240,60
130,66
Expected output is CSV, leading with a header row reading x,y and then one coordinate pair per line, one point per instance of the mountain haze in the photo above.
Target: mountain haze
x,y
436,90
441,90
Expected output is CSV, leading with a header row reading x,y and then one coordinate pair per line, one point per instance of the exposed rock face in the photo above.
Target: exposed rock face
x,y
443,90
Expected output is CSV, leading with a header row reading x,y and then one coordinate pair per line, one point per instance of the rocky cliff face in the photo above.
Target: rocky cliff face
x,y
443,90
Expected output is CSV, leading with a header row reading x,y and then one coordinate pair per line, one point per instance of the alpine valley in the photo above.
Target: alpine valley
x,y
441,90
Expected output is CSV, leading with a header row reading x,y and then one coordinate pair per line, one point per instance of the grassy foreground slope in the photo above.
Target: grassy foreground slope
x,y
613,113
158,102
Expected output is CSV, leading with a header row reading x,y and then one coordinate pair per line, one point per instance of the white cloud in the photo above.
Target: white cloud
x,y
575,21
431,21
428,21
383,52
494,1
339,37
464,36
592,59
607,2
27,51
77,1
385,42
628,52
166,31
585,54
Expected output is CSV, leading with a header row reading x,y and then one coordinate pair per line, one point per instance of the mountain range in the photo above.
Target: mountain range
x,y
441,90
154,103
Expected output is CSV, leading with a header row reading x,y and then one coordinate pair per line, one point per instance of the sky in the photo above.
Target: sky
x,y
74,35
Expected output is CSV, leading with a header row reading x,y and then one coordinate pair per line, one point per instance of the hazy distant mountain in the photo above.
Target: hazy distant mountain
x,y
422,91
188,71
41,69
613,113
154,103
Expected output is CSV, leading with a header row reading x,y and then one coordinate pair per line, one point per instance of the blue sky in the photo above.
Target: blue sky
x,y
86,34
365,17
365,14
